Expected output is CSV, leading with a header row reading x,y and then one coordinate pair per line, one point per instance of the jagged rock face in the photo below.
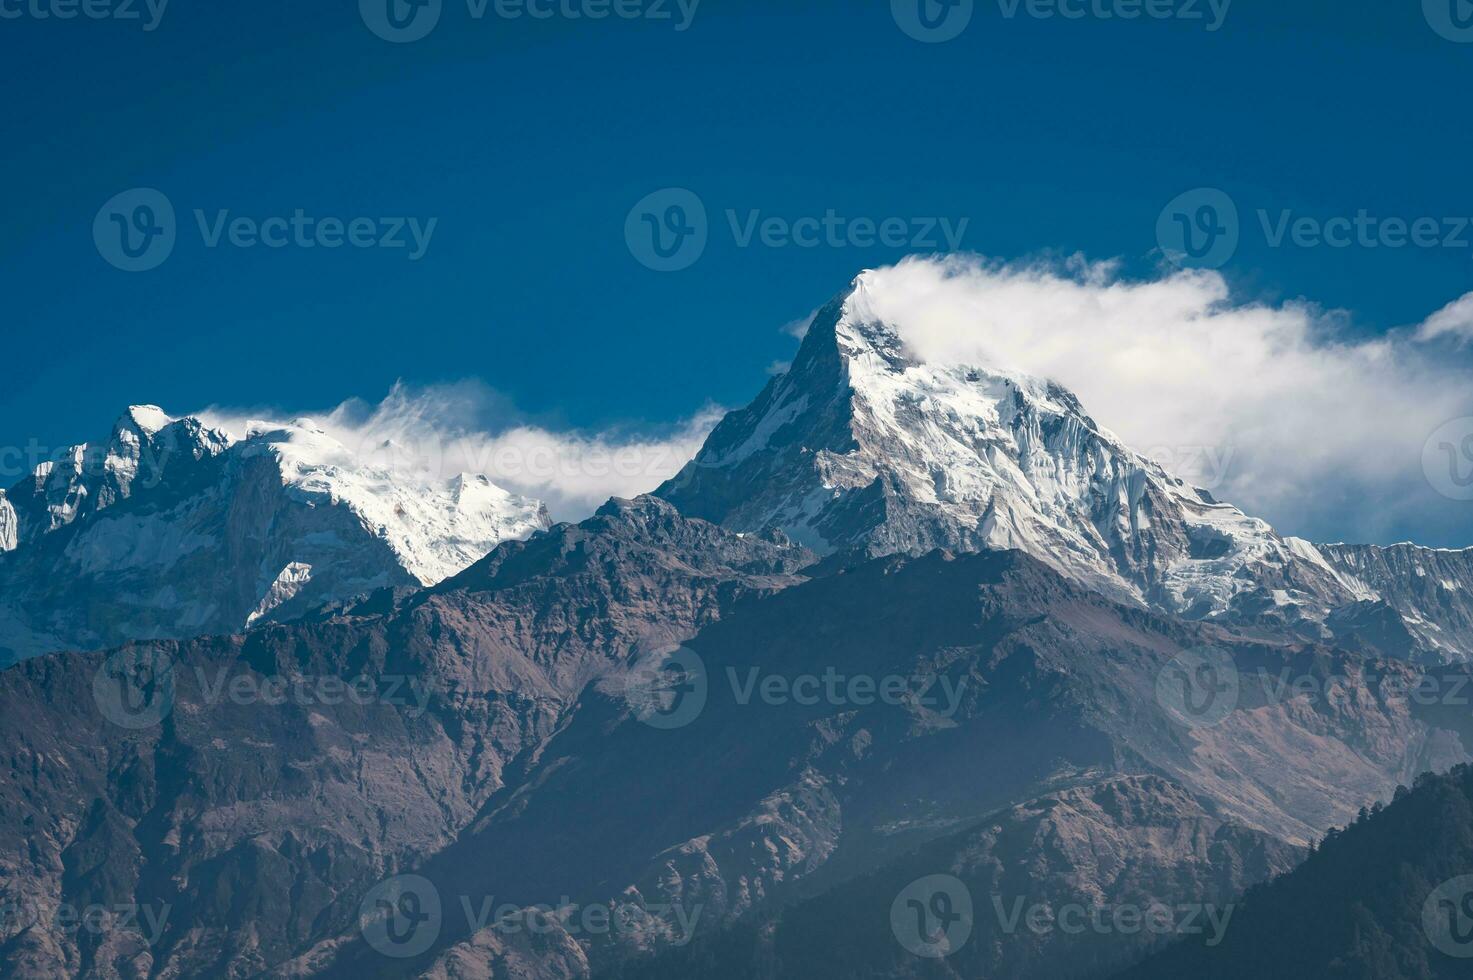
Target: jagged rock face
x,y
1032,874
170,529
87,478
1430,589
1036,687
861,446
496,753
260,806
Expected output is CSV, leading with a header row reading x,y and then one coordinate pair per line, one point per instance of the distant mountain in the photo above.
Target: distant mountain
x,y
1431,590
1389,898
172,529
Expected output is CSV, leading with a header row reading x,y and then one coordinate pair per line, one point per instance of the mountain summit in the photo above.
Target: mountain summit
x,y
171,528
862,446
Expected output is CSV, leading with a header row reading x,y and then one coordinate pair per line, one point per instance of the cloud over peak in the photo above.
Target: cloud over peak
x,y
440,431
1277,408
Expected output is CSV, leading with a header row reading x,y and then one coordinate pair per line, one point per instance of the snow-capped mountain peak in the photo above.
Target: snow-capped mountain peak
x,y
437,527
174,527
863,445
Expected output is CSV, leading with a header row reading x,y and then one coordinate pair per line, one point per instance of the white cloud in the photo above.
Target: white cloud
x,y
444,430
799,327
1453,320
1322,433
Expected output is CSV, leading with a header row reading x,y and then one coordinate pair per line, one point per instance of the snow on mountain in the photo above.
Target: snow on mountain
x,y
7,524
1430,588
436,528
171,528
860,445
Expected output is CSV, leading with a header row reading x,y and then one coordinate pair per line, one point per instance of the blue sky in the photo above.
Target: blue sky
x,y
528,141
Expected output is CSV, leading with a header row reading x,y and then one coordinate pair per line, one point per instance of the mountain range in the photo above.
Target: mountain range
x,y
906,644
170,528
